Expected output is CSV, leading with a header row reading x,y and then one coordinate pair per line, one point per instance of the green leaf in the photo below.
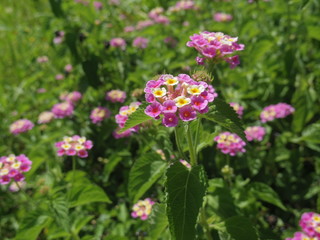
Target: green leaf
x,y
185,192
81,194
79,223
223,114
240,228
136,118
144,173
32,225
158,221
59,212
266,193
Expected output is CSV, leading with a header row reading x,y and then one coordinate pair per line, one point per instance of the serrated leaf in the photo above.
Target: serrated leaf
x,y
136,118
32,225
80,223
144,173
266,193
223,114
158,221
240,228
185,191
59,212
81,194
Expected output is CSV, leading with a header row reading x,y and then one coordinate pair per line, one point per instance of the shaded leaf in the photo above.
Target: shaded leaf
x,y
240,228
158,220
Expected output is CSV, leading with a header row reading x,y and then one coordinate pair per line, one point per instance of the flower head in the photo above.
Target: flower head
x,y
45,117
71,97
280,110
62,110
13,167
142,209
118,43
140,42
179,97
116,96
255,133
230,143
122,117
20,126
310,224
222,17
76,145
99,114
238,108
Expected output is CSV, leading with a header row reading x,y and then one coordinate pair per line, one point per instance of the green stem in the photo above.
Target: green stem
x,y
205,224
178,143
29,199
196,138
75,236
193,159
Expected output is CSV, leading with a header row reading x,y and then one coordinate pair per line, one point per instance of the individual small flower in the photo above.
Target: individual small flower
x,y
62,110
156,12
182,101
238,108
187,114
59,76
161,153
142,209
68,68
42,59
216,47
45,117
280,110
185,163
310,224
12,168
170,120
76,145
153,110
116,96
230,143
20,126
255,133
117,134
99,114
140,42
162,20
71,97
118,43
59,37
16,186
222,17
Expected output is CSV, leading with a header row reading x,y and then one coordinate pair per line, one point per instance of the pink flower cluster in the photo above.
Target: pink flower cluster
x,y
216,46
177,98
230,143
116,96
185,163
280,110
156,16
310,224
183,5
118,43
45,117
222,17
20,126
122,117
99,114
59,37
71,97
13,167
255,133
142,209
140,42
62,110
238,108
72,146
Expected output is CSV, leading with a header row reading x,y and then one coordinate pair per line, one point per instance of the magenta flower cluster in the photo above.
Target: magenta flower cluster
x,y
99,114
183,5
71,97
140,42
116,96
12,168
230,143
142,209
216,46
222,17
255,133
76,145
238,108
118,43
20,126
177,98
310,224
280,110
62,110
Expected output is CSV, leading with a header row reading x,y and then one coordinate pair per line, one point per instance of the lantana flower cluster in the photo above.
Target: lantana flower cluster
x,y
71,97
183,5
222,17
280,110
12,168
76,145
216,46
99,114
230,143
142,209
122,117
45,117
116,96
20,126
238,108
177,98
62,110
310,224
255,133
